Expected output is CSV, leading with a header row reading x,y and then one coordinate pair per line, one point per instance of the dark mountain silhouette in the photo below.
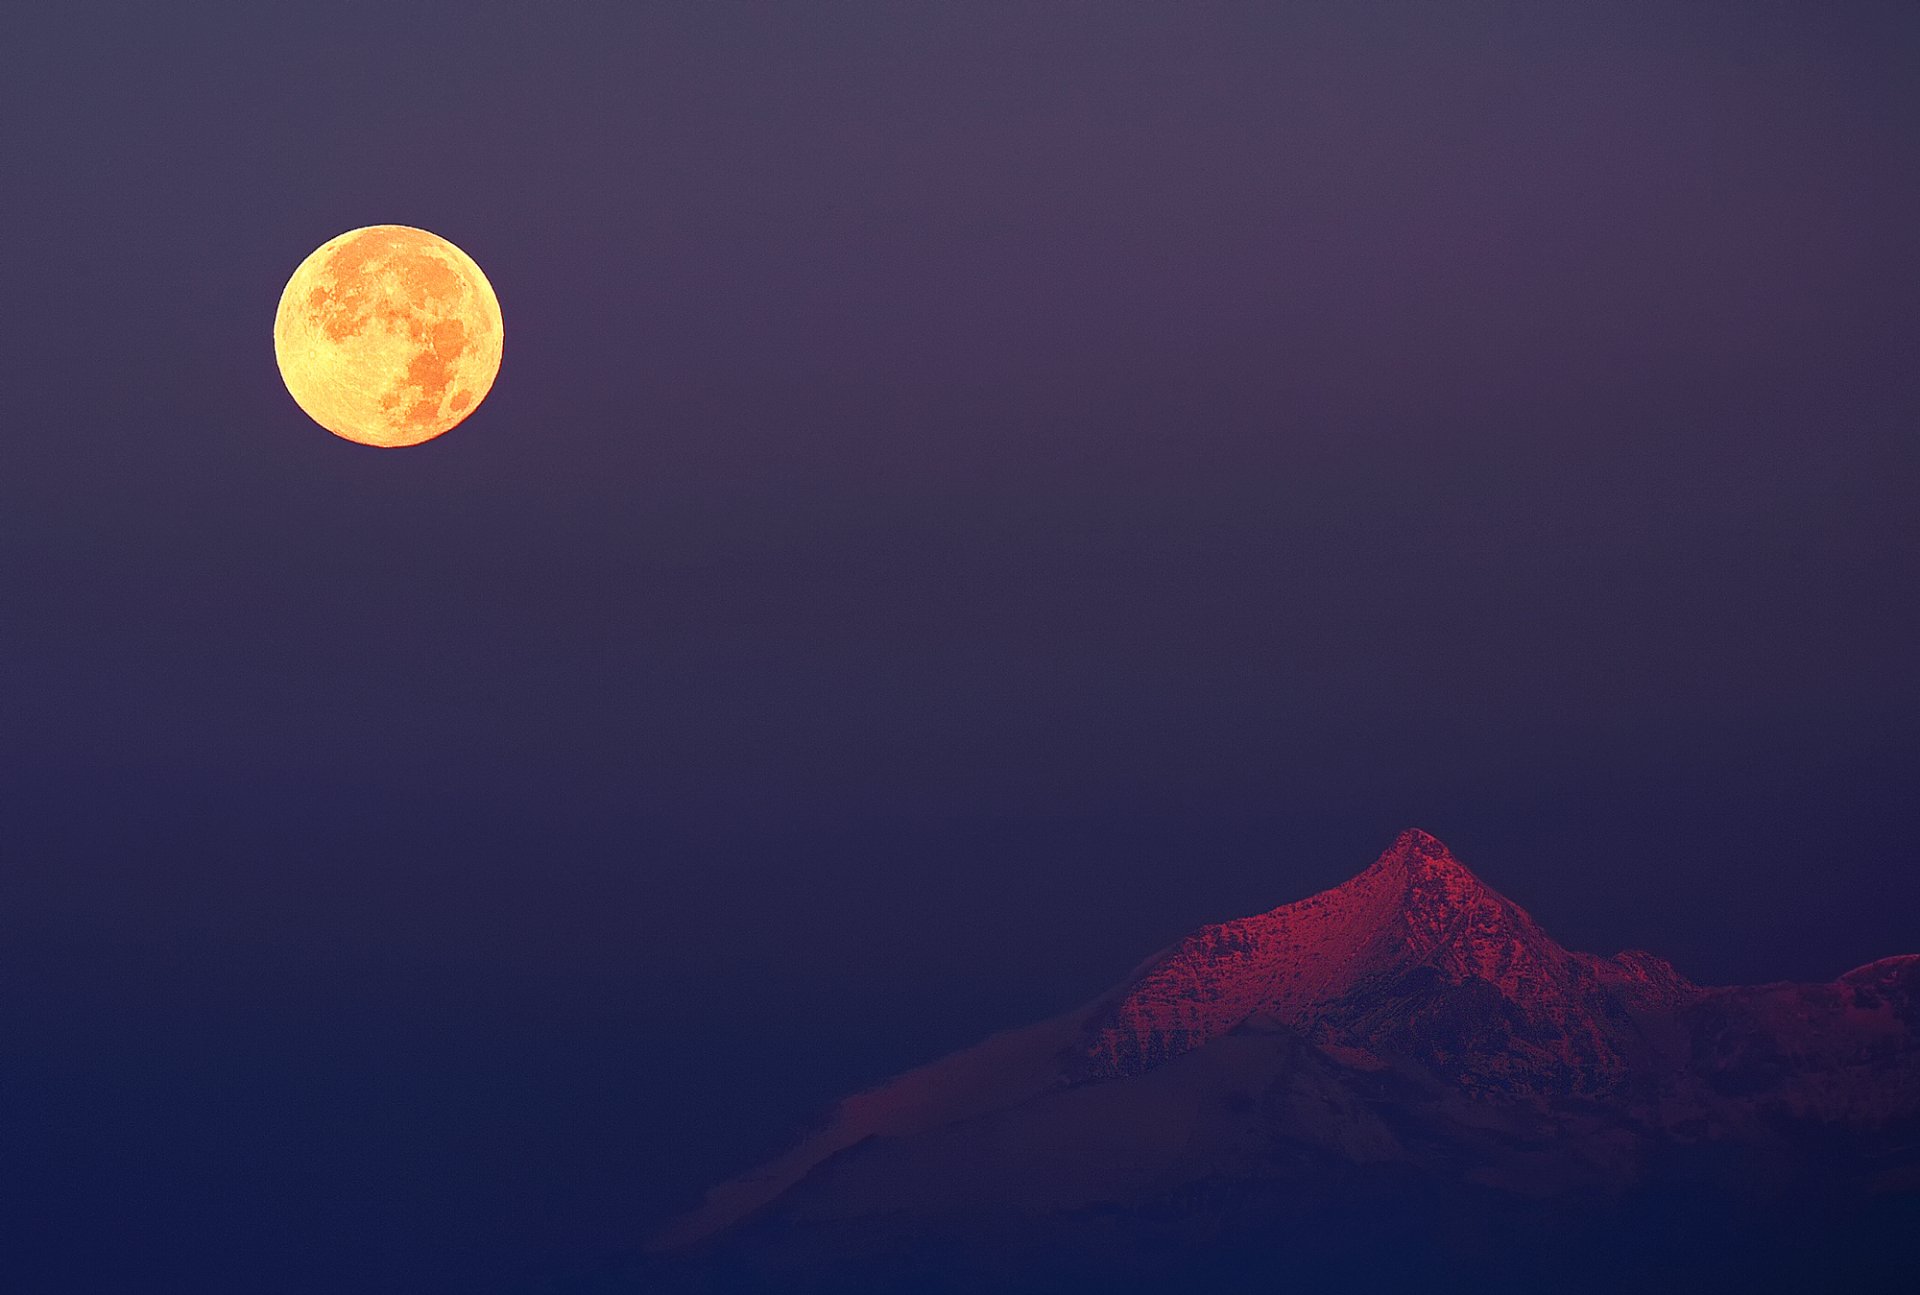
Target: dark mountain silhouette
x,y
1400,1078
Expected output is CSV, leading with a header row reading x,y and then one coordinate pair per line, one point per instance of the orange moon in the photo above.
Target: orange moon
x,y
388,335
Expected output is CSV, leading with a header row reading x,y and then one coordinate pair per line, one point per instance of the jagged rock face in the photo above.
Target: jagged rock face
x,y
1411,1018
1414,959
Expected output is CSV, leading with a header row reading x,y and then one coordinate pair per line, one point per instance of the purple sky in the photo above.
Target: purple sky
x,y
973,491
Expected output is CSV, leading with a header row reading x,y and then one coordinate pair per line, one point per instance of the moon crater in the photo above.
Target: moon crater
x,y
388,335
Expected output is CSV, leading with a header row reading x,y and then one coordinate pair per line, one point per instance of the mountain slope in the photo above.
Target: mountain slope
x,y
1415,954
1410,1027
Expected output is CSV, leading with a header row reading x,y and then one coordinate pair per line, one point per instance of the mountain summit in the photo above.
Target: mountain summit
x,y
1415,955
1410,1031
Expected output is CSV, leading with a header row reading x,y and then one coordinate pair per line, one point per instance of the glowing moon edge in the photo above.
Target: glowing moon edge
x,y
388,335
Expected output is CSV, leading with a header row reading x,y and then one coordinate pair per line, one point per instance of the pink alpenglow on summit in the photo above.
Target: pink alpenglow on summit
x,y
1345,968
1411,1018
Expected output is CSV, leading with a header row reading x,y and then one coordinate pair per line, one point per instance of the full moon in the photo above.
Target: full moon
x,y
388,335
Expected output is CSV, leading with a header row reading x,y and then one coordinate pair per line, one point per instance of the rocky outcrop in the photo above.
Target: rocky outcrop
x,y
1412,1021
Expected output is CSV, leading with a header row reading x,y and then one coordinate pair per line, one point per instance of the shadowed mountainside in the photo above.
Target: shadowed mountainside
x,y
1409,1045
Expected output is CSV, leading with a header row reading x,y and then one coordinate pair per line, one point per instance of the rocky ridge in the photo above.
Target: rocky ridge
x,y
1411,1020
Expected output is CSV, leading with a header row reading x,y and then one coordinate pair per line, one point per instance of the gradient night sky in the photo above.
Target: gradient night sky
x,y
974,490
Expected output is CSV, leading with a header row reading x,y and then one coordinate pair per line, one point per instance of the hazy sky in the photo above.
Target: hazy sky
x,y
973,491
